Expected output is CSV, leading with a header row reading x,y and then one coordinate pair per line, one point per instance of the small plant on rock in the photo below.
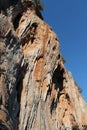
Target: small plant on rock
x,y
39,4
76,127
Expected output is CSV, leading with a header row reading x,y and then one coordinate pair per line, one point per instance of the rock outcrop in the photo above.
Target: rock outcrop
x,y
36,90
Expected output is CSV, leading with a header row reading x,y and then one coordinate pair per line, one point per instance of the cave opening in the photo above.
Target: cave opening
x,y
16,21
57,78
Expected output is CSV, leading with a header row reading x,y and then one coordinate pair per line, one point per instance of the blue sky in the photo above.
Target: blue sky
x,y
68,18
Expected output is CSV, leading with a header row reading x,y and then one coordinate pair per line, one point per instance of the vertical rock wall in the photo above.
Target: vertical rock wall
x,y
36,91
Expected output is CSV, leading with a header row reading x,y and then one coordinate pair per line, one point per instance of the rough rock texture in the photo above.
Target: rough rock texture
x,y
36,91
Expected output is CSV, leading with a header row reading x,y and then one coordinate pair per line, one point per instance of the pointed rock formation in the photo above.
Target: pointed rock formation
x,y
36,90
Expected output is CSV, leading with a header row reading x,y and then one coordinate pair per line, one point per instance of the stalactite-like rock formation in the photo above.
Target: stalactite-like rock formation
x,y
36,90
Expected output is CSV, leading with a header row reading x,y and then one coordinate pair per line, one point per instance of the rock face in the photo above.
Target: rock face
x,y
36,90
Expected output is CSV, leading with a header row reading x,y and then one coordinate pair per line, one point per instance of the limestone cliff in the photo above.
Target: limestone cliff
x,y
36,90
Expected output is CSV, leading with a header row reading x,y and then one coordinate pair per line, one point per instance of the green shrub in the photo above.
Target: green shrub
x,y
79,88
38,4
76,127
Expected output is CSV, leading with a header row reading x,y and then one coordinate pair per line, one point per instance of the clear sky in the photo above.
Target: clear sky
x,y
68,18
